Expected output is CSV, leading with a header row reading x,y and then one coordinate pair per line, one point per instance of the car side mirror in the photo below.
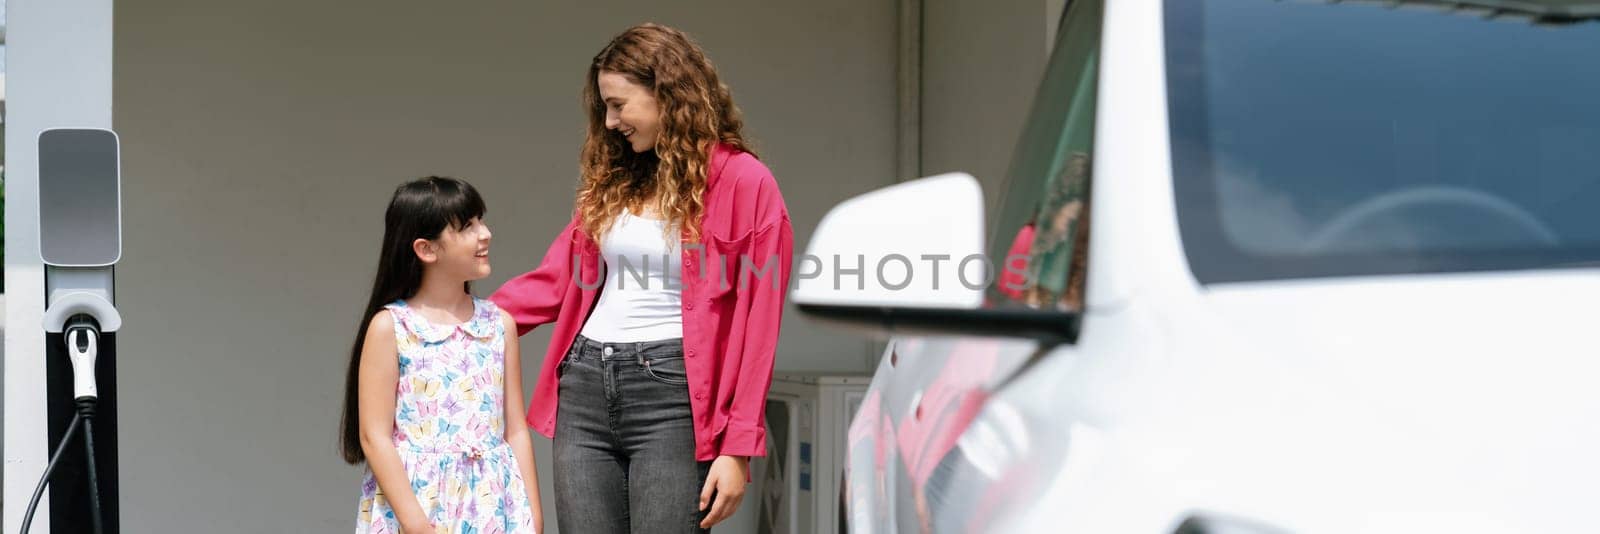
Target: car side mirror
x,y
909,258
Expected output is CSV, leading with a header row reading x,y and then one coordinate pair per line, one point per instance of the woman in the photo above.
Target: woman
x,y
655,382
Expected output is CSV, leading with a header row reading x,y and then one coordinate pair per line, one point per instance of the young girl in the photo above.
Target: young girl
x,y
655,387
433,396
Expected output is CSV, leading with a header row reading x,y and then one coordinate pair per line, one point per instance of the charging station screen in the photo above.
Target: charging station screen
x,y
80,217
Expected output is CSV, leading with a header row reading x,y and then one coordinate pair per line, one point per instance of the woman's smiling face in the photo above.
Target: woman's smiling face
x,y
631,110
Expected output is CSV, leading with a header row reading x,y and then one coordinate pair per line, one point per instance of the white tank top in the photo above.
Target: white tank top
x,y
643,293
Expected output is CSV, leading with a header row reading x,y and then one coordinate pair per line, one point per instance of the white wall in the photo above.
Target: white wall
x,y
260,142
2,391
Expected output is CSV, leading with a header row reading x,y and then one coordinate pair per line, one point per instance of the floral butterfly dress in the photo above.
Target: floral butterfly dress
x,y
449,428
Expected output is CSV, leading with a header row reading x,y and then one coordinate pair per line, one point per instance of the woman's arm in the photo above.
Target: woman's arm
x,y
746,431
762,288
745,435
534,298
378,381
517,426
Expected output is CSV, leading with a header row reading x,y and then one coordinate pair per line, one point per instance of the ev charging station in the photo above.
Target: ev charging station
x,y
63,226
80,239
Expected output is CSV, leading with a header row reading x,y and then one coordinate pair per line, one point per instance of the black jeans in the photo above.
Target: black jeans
x,y
624,443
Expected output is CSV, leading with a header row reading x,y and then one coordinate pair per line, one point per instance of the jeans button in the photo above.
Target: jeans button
x,y
608,351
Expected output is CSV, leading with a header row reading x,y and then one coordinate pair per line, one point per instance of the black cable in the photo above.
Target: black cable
x,y
33,505
85,415
86,408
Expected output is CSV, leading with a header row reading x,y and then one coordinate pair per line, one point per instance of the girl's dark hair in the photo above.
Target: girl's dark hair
x,y
420,209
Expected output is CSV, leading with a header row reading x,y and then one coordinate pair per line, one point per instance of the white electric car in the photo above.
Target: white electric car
x,y
1258,266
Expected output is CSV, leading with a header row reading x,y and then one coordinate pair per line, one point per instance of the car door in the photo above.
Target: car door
x,y
907,469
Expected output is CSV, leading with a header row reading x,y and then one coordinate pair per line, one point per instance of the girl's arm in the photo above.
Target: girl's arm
x,y
379,378
516,423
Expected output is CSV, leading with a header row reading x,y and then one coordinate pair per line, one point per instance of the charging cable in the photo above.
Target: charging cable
x,y
82,335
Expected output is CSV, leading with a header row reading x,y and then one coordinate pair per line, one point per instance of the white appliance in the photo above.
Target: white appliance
x,y
797,485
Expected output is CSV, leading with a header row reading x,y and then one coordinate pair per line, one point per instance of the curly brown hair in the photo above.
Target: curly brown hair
x,y
697,112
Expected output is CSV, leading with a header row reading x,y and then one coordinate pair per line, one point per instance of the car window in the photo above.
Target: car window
x,y
1041,233
1428,141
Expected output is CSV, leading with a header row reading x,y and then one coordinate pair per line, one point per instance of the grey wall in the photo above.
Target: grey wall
x,y
260,142
981,63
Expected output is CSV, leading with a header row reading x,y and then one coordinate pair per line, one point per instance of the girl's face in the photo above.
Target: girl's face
x,y
463,253
631,110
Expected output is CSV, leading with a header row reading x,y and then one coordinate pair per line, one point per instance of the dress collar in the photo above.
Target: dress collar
x,y
481,325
